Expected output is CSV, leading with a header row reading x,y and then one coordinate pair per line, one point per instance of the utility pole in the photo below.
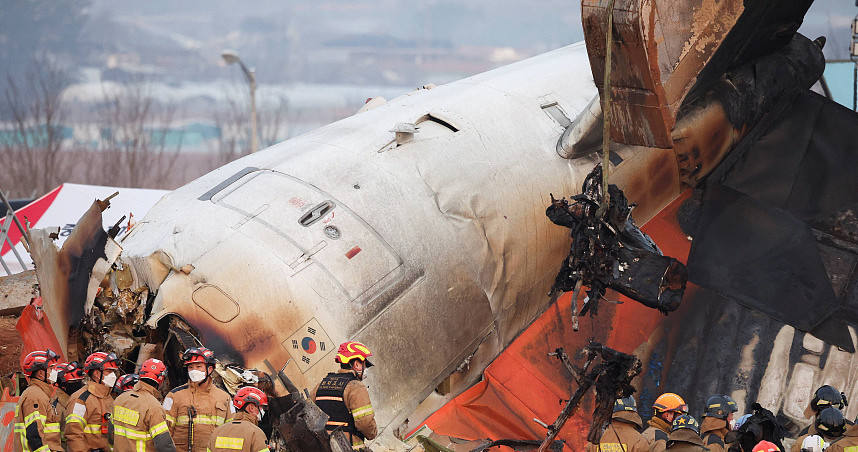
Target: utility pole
x,y
230,57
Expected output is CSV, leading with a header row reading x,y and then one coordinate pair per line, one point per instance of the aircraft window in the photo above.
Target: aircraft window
x,y
316,213
557,114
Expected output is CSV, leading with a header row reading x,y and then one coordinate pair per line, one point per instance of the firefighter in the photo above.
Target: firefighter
x,y
69,378
241,433
37,425
685,435
195,409
139,421
622,434
848,441
125,383
666,408
766,446
716,422
824,397
88,421
345,399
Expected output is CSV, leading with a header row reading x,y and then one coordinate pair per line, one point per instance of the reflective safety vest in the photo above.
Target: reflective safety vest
x,y
330,398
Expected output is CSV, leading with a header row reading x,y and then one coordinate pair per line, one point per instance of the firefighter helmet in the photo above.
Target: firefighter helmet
x,y
153,369
720,406
685,421
830,422
69,372
39,360
250,394
353,350
198,355
766,446
827,396
670,402
625,404
125,383
101,361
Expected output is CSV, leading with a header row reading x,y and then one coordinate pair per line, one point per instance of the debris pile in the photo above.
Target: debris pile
x,y
609,251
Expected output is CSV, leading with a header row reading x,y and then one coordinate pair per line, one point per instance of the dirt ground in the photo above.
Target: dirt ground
x,y
10,345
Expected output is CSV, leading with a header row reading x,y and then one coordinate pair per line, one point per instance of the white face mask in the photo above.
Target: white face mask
x,y
196,375
52,377
260,414
109,379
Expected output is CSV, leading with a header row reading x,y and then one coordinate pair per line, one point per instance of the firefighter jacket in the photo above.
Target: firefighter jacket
x,y
346,400
198,406
685,440
37,425
656,434
240,434
621,435
807,431
846,443
713,432
139,422
60,402
87,422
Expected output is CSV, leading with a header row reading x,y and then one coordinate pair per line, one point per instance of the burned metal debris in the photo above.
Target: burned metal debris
x,y
610,371
609,251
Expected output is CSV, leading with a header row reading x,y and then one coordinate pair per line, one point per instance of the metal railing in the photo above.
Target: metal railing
x,y
12,219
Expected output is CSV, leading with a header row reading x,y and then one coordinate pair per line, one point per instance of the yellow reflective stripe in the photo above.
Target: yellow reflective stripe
x,y
52,427
363,411
171,419
158,429
75,418
94,429
226,442
336,423
333,399
264,450
34,416
130,433
44,448
201,419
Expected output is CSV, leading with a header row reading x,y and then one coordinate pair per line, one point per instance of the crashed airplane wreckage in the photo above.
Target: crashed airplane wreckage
x,y
609,251
352,233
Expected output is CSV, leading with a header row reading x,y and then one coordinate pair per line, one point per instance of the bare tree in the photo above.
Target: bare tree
x,y
233,121
139,144
32,157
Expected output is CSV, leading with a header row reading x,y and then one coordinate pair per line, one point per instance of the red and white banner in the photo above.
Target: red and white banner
x,y
63,206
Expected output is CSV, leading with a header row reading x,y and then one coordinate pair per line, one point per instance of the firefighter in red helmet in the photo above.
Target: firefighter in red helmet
x,y
345,399
195,409
37,424
139,421
89,409
241,434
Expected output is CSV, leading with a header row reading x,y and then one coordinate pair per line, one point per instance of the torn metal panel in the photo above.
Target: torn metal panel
x,y
69,278
660,46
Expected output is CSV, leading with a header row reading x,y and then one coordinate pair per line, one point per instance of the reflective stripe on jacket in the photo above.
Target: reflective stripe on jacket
x,y
211,407
138,418
37,424
346,400
86,423
238,435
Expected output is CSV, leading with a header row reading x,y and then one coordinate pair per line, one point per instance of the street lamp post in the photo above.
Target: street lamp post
x,y
230,57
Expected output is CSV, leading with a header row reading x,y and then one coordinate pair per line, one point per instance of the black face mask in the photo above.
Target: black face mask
x,y
71,387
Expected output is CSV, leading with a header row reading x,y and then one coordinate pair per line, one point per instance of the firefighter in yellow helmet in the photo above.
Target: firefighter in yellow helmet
x,y
195,409
667,407
37,424
345,399
241,433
